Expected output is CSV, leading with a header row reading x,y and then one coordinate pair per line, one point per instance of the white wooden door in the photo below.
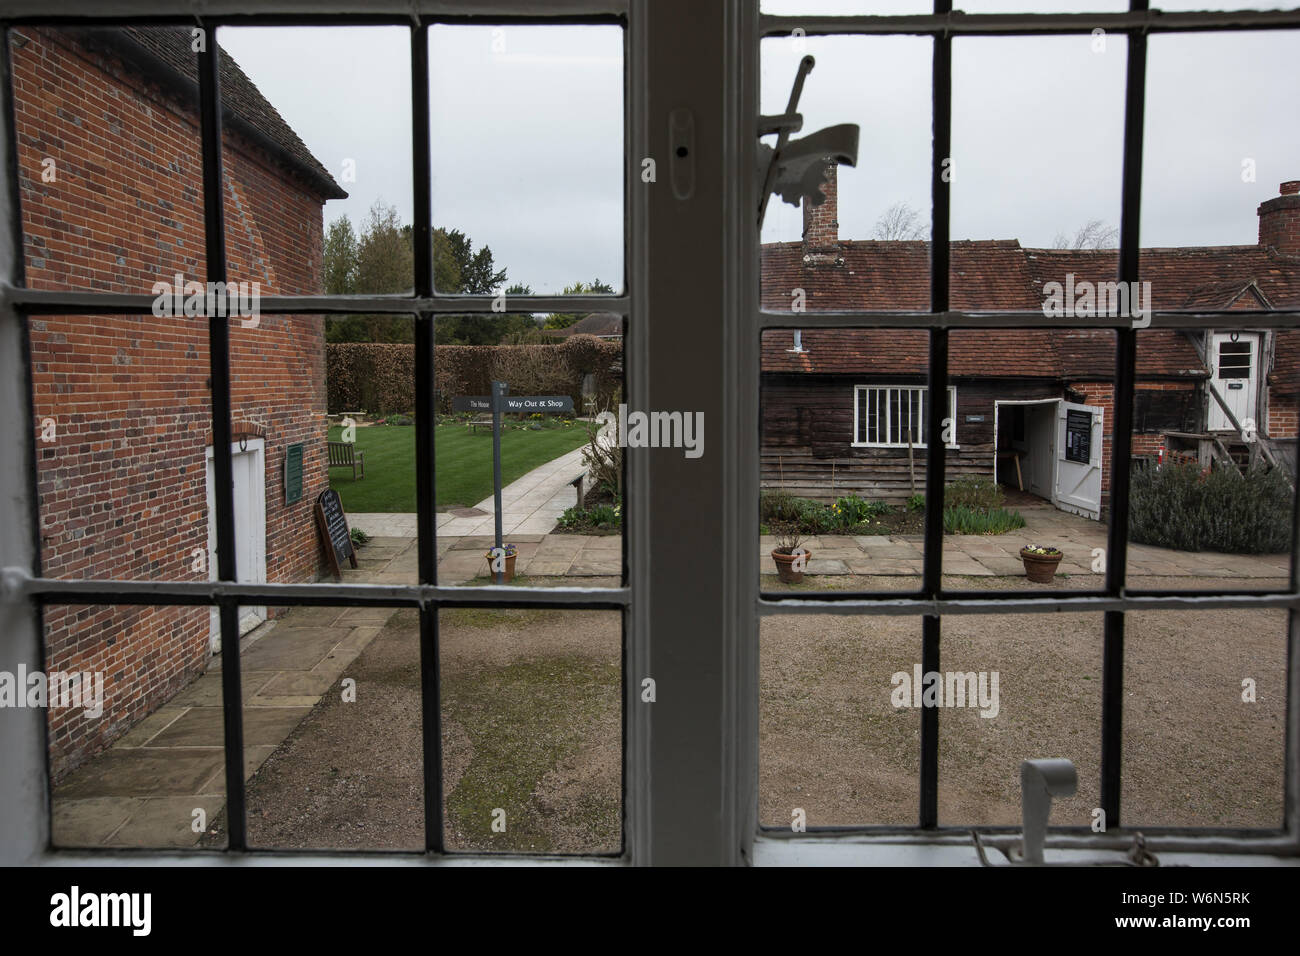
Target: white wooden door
x,y
249,473
1077,486
1234,370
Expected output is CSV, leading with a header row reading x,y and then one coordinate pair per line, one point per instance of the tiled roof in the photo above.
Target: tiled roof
x,y
1000,275
597,323
244,108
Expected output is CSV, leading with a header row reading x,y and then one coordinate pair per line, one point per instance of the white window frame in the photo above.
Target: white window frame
x,y
916,412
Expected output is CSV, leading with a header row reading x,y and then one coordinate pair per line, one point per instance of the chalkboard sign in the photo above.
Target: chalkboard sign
x,y
293,474
1078,436
335,536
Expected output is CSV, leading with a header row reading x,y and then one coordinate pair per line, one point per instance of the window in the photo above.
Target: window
x,y
893,416
816,646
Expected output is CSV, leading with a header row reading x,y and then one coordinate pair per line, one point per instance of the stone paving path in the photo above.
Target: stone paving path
x,y
143,790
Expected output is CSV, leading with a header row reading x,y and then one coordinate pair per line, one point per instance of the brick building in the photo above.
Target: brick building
x,y
1032,407
112,200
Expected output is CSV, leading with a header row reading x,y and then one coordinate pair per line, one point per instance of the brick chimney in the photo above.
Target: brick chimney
x,y
821,225
1279,220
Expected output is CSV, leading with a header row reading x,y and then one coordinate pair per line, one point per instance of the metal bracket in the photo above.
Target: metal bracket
x,y
796,169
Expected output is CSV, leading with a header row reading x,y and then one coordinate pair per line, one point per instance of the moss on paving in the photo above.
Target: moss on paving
x,y
524,720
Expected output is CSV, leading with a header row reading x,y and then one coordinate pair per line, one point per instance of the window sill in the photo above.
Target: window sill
x,y
842,851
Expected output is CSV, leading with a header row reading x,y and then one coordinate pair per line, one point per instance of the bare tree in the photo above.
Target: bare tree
x,y
1093,234
900,221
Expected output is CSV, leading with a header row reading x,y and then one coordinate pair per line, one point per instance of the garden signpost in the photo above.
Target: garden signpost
x,y
499,401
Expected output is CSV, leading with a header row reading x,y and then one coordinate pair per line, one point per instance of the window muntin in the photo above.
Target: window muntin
x,y
947,318
893,416
421,593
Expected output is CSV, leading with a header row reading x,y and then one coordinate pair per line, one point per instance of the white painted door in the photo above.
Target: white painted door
x,y
1077,485
249,473
1235,373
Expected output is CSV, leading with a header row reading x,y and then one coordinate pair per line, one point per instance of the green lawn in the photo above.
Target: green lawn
x,y
463,463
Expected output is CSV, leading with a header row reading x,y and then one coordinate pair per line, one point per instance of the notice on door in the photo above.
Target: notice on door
x,y
1078,437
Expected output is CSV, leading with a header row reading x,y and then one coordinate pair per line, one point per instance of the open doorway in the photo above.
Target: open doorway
x,y
1026,445
1051,449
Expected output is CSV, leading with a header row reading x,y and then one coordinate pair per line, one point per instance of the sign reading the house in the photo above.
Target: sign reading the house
x,y
546,404
1078,436
333,526
293,473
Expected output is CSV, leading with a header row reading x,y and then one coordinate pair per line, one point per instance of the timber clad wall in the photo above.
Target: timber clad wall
x,y
122,490
807,439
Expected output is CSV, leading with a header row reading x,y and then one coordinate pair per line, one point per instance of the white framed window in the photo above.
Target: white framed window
x,y
894,416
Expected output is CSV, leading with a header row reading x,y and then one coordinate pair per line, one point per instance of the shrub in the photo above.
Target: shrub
x,y
781,507
852,510
964,520
916,503
978,494
1178,506
604,517
359,537
603,458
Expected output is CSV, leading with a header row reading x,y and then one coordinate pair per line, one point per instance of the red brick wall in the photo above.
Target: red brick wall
x,y
122,489
821,226
1279,220
1283,416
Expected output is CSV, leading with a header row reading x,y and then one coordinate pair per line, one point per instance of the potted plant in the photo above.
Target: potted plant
x,y
791,560
511,553
1040,562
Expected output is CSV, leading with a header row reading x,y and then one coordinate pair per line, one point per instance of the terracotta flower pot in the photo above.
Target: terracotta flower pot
x,y
785,566
1040,568
509,574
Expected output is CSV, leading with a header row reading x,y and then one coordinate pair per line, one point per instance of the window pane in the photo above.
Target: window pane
x,y
1211,506
135,726
1014,190
1204,718
866,245
1210,252
1037,683
531,165
1040,6
833,750
328,108
532,730
844,8
108,157
561,464
332,730
123,419
838,473
1030,464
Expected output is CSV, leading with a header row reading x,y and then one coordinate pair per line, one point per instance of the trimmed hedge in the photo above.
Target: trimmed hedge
x,y
1178,507
380,378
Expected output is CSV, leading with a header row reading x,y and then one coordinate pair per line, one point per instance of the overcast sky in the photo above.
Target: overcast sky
x,y
527,129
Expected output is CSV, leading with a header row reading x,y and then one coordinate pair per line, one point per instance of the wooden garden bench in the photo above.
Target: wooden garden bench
x,y
344,454
484,419
578,483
